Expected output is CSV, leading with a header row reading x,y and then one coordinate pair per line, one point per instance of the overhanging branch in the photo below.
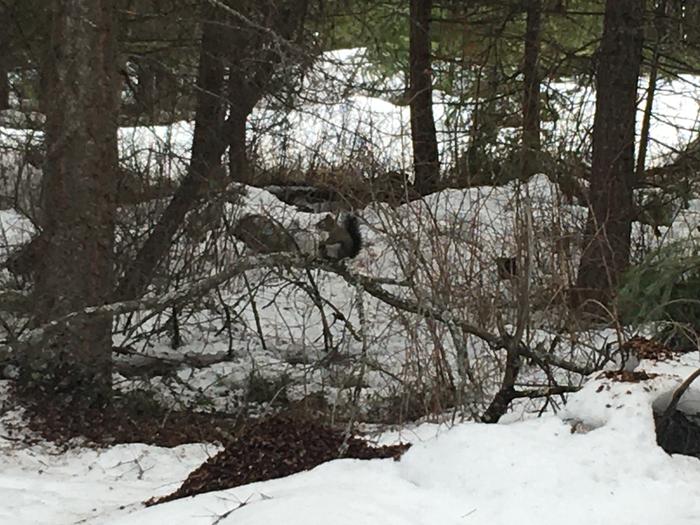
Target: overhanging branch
x,y
372,286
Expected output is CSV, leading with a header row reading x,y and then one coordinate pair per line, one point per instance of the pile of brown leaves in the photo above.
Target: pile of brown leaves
x,y
118,423
626,376
645,348
273,448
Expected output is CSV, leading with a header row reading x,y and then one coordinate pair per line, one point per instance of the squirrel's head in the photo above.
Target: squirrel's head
x,y
327,224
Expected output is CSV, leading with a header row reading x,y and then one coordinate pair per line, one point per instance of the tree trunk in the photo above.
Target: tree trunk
x,y
425,148
239,168
4,86
659,15
7,16
531,99
146,88
254,58
243,96
606,247
166,91
211,134
72,362
483,129
208,145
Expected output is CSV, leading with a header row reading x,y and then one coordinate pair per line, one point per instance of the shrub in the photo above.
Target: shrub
x,y
665,288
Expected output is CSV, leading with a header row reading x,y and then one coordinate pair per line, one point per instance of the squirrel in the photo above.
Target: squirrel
x,y
344,240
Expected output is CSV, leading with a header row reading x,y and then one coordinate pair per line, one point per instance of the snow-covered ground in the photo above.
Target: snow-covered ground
x,y
537,471
528,471
343,120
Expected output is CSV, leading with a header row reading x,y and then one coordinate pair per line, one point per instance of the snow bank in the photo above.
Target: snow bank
x,y
41,484
535,472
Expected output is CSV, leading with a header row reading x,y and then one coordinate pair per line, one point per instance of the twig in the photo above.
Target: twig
x,y
231,511
551,359
677,394
364,282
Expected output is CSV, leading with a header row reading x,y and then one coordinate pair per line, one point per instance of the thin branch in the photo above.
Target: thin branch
x,y
295,261
677,394
544,392
551,359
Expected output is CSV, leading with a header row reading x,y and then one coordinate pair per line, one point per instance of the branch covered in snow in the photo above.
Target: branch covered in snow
x,y
371,285
534,393
552,359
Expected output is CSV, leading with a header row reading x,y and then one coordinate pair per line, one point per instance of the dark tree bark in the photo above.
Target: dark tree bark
x,y
238,164
243,95
659,15
255,55
7,13
531,99
425,148
73,361
506,393
212,134
208,145
4,87
606,247
485,125
166,90
146,88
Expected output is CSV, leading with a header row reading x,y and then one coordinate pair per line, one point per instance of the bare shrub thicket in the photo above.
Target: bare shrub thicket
x,y
283,335
437,314
458,300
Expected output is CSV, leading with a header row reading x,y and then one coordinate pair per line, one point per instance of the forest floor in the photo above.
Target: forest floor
x,y
596,461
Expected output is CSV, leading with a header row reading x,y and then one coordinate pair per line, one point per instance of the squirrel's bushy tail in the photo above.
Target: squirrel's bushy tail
x,y
352,226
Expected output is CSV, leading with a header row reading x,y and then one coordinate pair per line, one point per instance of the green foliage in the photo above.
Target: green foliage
x,y
380,27
468,37
664,288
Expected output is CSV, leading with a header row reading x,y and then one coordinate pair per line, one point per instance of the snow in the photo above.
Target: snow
x,y
41,484
531,472
467,228
342,121
15,229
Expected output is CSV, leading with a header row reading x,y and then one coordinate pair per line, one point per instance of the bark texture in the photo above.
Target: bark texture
x,y
4,87
531,95
607,237
73,360
425,148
